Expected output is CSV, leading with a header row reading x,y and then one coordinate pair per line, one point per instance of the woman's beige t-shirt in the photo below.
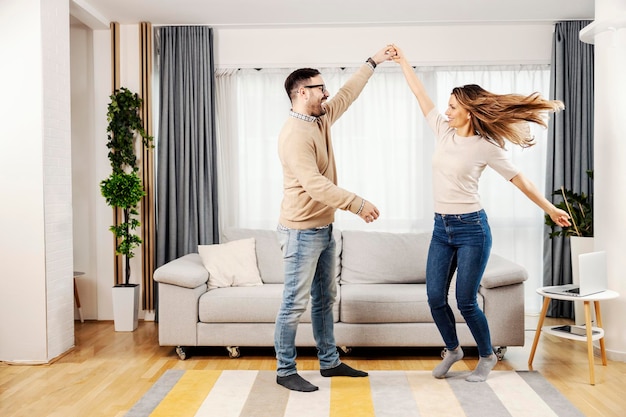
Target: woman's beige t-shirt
x,y
457,164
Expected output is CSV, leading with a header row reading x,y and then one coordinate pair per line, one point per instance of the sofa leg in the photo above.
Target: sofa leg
x,y
233,352
346,350
181,352
500,351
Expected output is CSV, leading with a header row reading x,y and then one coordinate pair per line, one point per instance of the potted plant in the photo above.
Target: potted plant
x,y
580,209
580,233
123,190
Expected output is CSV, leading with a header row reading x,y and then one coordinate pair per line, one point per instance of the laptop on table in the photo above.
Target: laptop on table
x,y
592,276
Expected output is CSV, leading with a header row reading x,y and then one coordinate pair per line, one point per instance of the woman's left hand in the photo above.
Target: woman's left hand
x,y
560,217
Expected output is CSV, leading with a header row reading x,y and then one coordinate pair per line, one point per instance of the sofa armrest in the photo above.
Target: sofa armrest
x,y
501,272
187,271
504,309
178,314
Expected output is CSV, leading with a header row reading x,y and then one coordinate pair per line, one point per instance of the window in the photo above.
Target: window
x,y
383,150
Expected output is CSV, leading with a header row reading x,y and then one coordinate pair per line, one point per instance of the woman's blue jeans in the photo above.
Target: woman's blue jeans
x,y
460,242
309,261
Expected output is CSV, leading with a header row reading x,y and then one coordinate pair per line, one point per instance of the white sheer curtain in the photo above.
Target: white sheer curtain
x,y
383,149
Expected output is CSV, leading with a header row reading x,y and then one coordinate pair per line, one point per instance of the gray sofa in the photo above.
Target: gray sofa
x,y
381,297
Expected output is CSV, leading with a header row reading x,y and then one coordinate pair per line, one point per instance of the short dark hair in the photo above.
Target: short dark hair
x,y
297,77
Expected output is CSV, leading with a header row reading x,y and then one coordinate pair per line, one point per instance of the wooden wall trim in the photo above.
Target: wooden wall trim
x,y
118,268
148,204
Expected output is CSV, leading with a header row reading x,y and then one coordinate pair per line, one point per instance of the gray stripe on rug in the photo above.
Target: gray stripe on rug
x,y
476,398
267,398
155,395
549,394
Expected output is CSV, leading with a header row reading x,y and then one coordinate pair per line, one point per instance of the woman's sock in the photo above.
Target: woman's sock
x,y
485,365
450,356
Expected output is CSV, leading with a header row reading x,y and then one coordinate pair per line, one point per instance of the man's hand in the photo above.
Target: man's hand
x,y
369,212
385,54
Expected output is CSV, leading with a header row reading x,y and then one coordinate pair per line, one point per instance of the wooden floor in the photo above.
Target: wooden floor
x,y
107,372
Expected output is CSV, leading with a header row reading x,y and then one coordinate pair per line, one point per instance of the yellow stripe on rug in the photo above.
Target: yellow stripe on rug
x,y
187,395
351,397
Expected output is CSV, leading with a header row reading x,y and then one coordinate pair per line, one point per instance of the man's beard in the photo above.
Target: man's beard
x,y
319,110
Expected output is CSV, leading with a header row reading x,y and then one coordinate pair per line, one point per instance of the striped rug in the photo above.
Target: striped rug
x,y
181,393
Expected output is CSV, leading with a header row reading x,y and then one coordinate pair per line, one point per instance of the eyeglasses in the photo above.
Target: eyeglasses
x,y
322,87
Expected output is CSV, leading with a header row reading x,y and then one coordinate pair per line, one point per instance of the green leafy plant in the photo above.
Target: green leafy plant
x,y
580,209
123,188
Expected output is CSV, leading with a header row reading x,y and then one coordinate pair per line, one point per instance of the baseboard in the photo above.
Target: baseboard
x,y
612,355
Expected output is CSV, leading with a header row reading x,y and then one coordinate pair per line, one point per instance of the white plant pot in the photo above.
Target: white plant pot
x,y
126,307
579,245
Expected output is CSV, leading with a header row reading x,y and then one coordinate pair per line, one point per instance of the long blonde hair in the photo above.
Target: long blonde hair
x,y
500,117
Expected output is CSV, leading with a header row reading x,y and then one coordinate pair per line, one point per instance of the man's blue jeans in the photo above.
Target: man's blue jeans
x,y
460,242
309,261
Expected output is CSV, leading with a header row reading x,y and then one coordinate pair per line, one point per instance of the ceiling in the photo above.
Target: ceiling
x,y
220,13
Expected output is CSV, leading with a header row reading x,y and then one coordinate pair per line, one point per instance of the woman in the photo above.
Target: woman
x,y
473,136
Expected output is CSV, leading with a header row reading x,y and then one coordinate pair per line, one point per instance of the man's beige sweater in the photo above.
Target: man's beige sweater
x,y
310,192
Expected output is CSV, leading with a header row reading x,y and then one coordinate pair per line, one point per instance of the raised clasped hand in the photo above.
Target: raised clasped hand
x,y
385,54
398,55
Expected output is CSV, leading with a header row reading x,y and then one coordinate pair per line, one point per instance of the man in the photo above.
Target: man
x,y
310,198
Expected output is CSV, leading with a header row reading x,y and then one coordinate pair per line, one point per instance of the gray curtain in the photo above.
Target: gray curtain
x,y
570,147
186,144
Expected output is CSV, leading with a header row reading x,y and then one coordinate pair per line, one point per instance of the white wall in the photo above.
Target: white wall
x,y
424,45
609,155
57,178
22,247
84,183
36,323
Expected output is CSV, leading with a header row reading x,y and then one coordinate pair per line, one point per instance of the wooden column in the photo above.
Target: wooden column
x,y
148,222
118,269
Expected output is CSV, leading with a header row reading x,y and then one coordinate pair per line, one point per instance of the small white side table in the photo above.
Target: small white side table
x,y
589,337
77,298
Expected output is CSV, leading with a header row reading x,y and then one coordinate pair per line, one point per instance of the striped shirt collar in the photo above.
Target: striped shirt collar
x,y
301,116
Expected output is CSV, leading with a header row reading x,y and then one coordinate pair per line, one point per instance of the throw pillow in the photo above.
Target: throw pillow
x,y
231,264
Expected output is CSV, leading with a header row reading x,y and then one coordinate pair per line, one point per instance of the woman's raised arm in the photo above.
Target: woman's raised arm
x,y
426,104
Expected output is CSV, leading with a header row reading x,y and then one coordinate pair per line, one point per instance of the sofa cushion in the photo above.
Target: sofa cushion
x,y
384,258
231,264
269,252
247,305
390,303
